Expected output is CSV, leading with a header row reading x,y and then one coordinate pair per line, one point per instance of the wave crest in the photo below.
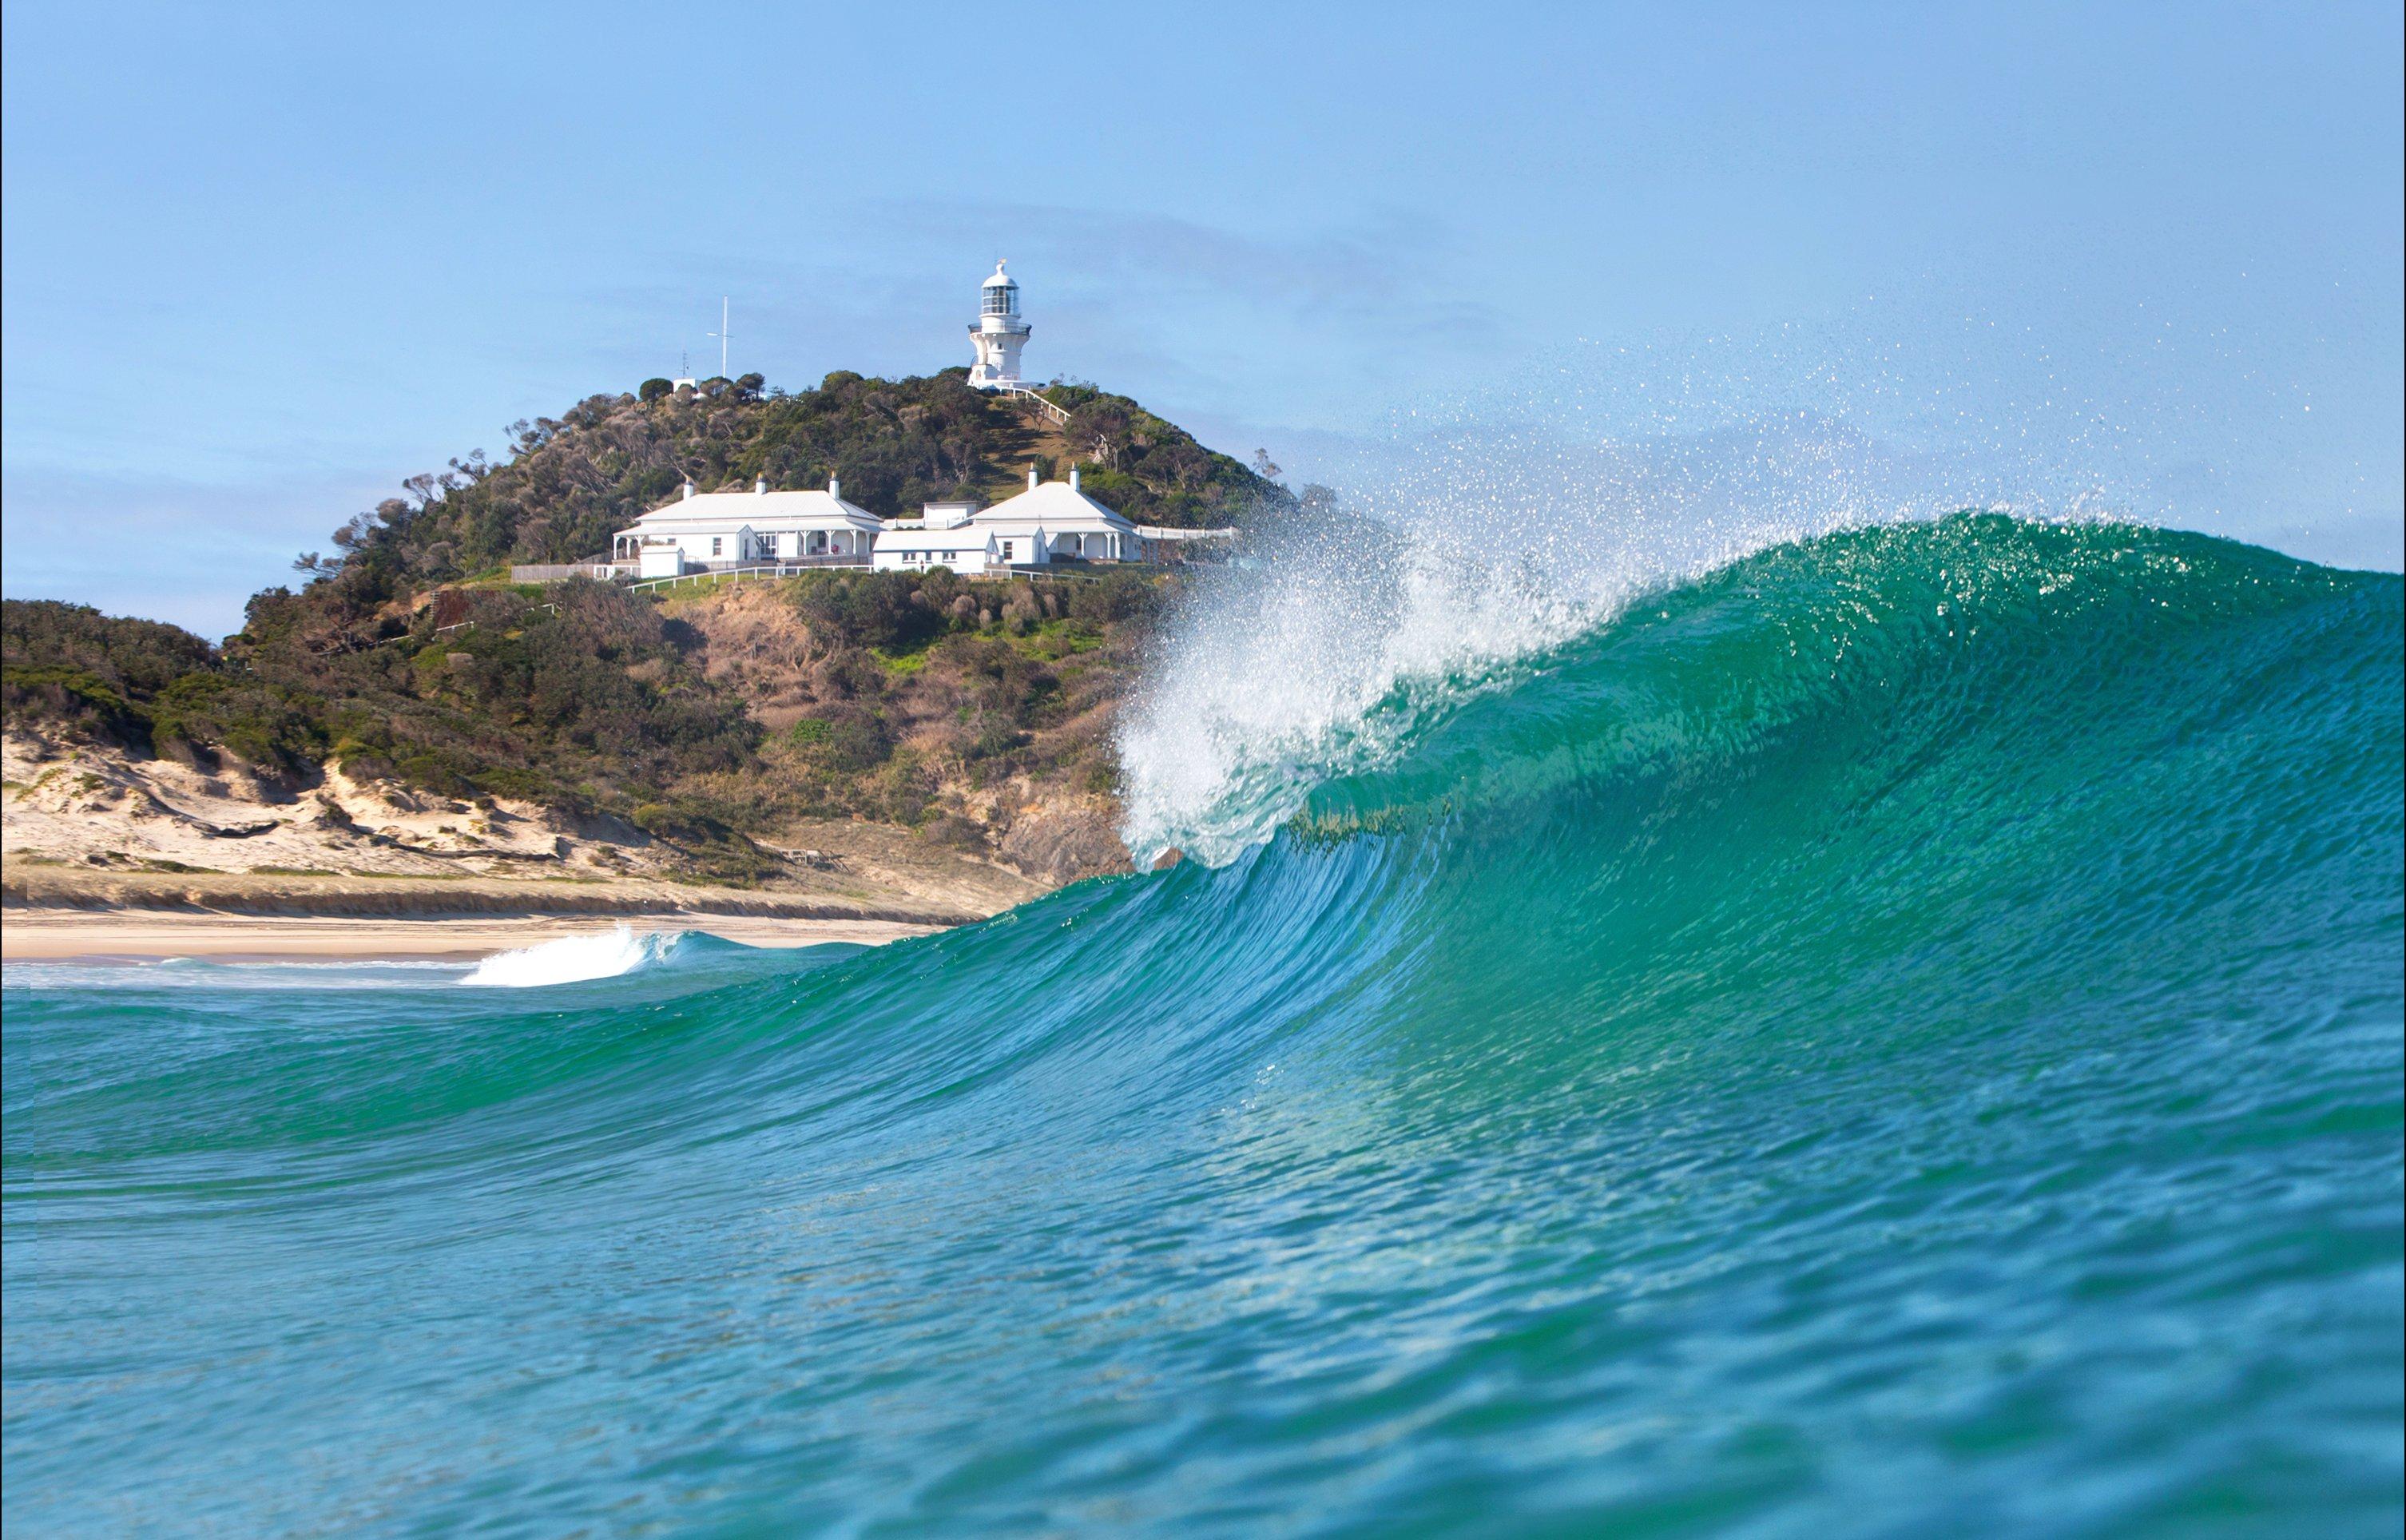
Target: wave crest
x,y
1325,664
576,959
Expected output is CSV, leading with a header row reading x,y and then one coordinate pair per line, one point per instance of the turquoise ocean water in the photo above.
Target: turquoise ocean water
x,y
1901,1035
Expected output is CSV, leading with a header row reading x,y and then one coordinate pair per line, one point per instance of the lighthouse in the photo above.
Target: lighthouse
x,y
999,334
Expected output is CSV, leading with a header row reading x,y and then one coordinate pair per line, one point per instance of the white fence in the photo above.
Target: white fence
x,y
1060,414
554,571
758,570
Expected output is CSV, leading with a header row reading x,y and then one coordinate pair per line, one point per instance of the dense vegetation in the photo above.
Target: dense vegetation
x,y
569,699
572,483
146,686
883,695
896,697
893,696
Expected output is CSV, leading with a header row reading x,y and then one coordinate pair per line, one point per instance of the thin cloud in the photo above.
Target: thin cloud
x,y
1175,311
1389,271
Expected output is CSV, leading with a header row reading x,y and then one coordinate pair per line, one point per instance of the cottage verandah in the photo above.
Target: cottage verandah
x,y
701,530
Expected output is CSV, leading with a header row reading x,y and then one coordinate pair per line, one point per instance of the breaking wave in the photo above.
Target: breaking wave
x,y
1898,1032
576,959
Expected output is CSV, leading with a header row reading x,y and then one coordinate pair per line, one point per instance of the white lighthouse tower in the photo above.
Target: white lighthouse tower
x,y
999,334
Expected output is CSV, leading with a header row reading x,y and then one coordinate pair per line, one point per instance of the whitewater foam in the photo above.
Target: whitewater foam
x,y
1320,664
1358,633
575,959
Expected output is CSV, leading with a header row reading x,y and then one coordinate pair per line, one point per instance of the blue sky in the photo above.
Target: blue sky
x,y
260,265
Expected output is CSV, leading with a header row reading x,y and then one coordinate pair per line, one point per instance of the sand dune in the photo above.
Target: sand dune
x,y
110,854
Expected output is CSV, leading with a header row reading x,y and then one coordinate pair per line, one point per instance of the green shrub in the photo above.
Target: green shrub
x,y
264,723
54,693
525,785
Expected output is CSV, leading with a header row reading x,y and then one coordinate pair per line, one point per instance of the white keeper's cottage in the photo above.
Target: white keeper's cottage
x,y
1056,520
701,531
1053,521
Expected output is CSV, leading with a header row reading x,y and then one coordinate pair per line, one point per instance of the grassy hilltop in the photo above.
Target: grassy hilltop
x,y
975,713
572,483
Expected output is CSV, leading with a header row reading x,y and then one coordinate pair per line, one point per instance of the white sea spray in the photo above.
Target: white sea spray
x,y
1343,636
573,959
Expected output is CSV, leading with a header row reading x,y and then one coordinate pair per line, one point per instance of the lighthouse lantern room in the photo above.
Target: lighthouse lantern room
x,y
999,334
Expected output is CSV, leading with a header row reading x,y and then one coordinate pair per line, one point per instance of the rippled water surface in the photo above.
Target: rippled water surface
x,y
1901,1036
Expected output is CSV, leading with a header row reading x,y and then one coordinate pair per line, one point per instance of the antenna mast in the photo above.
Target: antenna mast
x,y
722,335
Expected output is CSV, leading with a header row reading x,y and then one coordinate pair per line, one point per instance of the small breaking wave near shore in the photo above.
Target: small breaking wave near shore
x,y
576,959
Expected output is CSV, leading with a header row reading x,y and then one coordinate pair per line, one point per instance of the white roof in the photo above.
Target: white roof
x,y
812,510
999,279
1056,506
961,538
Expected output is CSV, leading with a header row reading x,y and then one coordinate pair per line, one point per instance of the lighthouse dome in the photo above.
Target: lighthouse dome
x,y
1000,294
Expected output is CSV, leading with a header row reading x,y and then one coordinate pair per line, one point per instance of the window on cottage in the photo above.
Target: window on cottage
x,y
714,545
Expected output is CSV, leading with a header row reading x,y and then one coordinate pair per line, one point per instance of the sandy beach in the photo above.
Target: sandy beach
x,y
58,911
38,935
127,878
